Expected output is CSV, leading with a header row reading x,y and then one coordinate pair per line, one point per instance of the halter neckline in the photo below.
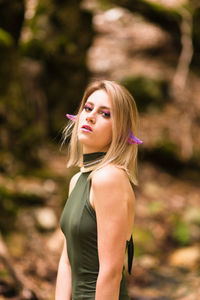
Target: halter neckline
x,y
90,160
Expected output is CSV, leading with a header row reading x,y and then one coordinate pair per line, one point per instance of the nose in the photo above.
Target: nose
x,y
91,117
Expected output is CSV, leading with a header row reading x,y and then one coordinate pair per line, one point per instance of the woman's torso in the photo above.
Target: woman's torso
x,y
78,223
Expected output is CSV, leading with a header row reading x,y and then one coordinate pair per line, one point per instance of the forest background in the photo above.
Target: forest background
x,y
49,51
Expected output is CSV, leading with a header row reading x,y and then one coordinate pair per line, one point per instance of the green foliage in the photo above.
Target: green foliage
x,y
144,240
155,207
181,233
8,210
149,93
33,48
5,38
19,134
12,17
181,230
59,35
42,75
4,274
168,148
105,4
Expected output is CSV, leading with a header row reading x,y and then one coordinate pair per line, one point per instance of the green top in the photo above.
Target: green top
x,y
78,223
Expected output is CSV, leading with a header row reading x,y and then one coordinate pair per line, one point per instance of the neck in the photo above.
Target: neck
x,y
91,160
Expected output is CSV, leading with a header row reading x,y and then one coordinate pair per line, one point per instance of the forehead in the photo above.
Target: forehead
x,y
99,98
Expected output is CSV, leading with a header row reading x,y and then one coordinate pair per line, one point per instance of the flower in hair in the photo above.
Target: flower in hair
x,y
71,117
131,138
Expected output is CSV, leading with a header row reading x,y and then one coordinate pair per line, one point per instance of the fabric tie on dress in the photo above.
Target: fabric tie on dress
x,y
130,246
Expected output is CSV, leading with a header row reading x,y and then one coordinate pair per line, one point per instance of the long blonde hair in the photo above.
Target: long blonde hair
x,y
124,119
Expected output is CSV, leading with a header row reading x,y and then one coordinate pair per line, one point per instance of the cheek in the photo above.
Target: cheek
x,y
81,118
108,130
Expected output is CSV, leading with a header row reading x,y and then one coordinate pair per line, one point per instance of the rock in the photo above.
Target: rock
x,y
49,186
148,261
45,219
187,257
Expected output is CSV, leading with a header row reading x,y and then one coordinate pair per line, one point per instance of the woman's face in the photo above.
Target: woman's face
x,y
95,124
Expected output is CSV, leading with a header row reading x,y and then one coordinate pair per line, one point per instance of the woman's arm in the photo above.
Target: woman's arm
x,y
64,279
111,195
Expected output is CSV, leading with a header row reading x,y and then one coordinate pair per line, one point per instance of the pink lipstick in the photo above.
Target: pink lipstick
x,y
86,128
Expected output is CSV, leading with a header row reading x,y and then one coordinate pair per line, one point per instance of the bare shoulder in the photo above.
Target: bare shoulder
x,y
110,175
73,181
112,192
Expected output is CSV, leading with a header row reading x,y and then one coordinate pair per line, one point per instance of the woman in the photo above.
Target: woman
x,y
98,217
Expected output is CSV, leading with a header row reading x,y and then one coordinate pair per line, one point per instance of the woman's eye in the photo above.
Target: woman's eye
x,y
106,114
87,108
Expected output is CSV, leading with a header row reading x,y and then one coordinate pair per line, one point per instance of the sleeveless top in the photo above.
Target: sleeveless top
x,y
79,225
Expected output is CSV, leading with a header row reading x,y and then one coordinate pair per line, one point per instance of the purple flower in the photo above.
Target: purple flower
x,y
71,117
133,139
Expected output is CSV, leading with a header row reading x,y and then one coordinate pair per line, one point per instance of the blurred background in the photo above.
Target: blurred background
x,y
49,51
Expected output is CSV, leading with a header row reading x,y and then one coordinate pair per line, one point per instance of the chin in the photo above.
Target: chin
x,y
84,139
88,143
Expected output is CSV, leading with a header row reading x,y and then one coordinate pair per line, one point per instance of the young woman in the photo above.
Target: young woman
x,y
97,219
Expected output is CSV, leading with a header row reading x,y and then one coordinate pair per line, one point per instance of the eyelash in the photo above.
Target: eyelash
x,y
104,113
87,108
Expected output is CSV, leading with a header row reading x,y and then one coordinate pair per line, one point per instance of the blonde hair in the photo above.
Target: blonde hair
x,y
124,119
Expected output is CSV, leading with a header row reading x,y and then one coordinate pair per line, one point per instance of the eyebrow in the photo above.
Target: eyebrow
x,y
102,106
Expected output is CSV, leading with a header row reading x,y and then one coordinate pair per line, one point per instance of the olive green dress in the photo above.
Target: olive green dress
x,y
79,225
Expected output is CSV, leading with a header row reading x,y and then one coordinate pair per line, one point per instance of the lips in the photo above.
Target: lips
x,y
86,128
